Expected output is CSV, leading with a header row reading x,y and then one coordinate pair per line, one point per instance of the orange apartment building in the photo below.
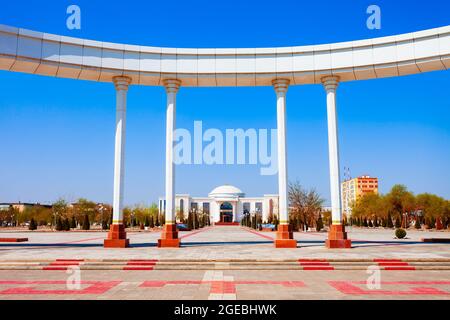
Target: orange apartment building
x,y
353,189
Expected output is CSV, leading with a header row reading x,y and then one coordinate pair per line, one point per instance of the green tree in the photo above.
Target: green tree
x,y
319,224
86,223
157,220
398,221
66,224
59,225
85,207
417,223
152,223
33,224
400,200
73,222
389,221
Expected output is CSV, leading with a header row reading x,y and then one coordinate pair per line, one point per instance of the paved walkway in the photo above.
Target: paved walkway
x,y
227,242
223,285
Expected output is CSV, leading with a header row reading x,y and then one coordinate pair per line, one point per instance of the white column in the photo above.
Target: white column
x,y
121,84
233,204
330,84
281,87
172,87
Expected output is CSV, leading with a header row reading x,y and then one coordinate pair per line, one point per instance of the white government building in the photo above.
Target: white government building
x,y
125,65
225,204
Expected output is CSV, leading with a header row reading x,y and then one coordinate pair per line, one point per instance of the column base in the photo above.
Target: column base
x,y
284,237
169,237
337,238
117,237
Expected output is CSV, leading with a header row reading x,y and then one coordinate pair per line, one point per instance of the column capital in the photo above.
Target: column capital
x,y
330,82
121,82
172,85
280,85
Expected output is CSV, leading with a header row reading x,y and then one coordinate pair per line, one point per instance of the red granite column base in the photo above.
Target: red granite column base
x,y
117,237
169,237
337,238
284,237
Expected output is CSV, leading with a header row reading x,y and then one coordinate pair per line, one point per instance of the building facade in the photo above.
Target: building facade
x,y
354,189
224,204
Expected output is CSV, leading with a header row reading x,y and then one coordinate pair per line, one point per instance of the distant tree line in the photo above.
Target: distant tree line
x,y
82,214
401,208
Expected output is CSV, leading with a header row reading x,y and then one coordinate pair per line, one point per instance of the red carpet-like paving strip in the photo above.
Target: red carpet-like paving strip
x,y
13,239
259,234
394,265
58,268
314,263
318,268
416,288
95,287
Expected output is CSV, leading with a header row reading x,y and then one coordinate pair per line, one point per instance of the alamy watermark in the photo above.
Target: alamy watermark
x,y
236,146
73,21
73,281
374,20
373,282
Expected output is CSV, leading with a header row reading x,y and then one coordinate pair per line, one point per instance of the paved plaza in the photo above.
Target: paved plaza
x,y
224,285
223,242
234,254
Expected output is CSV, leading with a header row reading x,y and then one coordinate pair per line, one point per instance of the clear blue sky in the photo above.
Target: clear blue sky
x,y
57,135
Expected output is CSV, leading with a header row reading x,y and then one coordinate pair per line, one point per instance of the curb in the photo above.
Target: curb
x,y
299,264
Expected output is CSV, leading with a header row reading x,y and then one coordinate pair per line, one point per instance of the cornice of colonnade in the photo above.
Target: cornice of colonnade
x,y
40,53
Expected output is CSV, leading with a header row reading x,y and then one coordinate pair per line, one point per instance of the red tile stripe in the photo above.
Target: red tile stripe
x,y
258,234
13,239
193,233
95,287
314,263
349,287
53,268
317,268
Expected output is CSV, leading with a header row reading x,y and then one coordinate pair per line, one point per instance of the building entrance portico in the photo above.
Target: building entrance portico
x,y
226,212
225,204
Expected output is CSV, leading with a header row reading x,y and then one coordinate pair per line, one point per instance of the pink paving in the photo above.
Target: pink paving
x,y
222,286
416,288
95,287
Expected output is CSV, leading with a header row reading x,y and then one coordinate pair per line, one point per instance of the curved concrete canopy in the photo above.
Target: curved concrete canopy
x,y
40,53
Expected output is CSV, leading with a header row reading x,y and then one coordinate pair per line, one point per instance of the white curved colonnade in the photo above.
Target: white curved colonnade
x,y
328,64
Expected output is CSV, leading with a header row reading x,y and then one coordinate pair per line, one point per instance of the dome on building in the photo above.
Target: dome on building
x,y
226,191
